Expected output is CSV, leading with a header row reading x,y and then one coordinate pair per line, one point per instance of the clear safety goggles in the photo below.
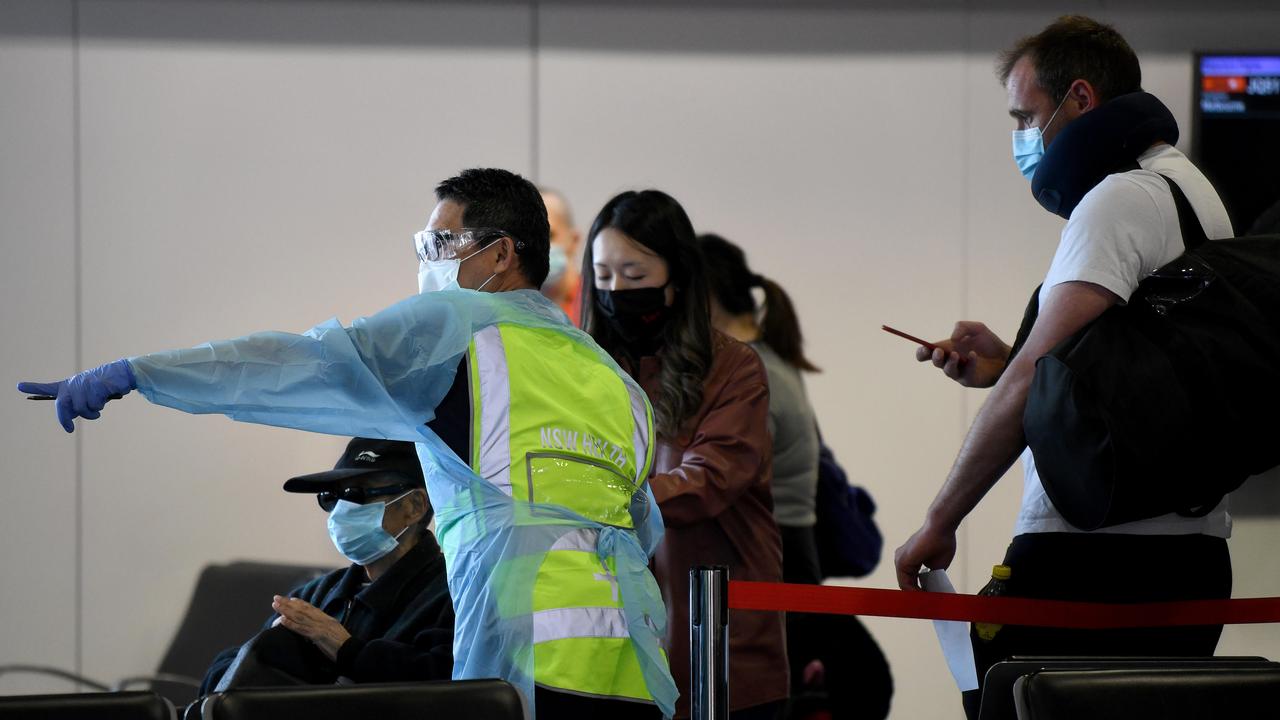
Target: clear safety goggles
x,y
436,245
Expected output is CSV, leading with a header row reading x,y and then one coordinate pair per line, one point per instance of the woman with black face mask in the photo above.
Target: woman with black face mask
x,y
712,469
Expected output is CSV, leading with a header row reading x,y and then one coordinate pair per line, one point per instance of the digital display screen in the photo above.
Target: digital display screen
x,y
1236,136
1240,85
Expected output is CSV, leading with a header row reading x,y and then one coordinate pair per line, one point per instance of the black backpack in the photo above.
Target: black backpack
x,y
1170,402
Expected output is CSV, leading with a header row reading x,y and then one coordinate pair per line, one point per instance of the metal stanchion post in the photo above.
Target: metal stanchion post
x,y
709,642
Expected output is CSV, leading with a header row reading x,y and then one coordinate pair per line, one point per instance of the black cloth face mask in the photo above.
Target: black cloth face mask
x,y
638,316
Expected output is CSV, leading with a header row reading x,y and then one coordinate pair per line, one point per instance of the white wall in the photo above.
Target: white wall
x,y
39,518
173,172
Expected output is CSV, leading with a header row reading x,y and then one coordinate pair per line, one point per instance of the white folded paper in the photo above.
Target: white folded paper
x,y
953,635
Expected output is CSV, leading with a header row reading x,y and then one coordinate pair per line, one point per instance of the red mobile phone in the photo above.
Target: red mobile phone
x,y
912,338
917,340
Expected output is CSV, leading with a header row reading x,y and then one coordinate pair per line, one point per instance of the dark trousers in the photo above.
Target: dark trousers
x,y
553,705
1100,567
767,711
857,680
799,555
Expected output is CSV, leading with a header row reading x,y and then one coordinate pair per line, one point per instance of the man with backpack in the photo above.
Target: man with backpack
x,y
1075,88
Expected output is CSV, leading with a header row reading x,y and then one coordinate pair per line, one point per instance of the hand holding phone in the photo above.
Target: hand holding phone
x,y
924,343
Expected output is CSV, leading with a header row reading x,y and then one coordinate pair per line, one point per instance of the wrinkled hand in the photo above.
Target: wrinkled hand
x,y
85,394
928,548
973,356
311,623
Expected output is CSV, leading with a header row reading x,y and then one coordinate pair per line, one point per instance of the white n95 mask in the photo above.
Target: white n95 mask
x,y
437,275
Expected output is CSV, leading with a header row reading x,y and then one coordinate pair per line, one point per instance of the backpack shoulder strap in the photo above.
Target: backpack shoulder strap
x,y
1029,317
1192,232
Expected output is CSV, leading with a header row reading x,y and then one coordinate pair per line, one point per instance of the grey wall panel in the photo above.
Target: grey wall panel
x,y
234,185
38,518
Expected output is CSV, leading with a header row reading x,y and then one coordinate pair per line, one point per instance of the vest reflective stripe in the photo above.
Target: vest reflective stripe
x,y
640,410
493,452
582,540
565,623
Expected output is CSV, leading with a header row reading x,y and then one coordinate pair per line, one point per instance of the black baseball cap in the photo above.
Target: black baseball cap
x,y
362,457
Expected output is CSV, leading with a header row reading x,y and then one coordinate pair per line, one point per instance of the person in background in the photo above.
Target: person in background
x,y
839,650
387,617
648,306
564,283
775,336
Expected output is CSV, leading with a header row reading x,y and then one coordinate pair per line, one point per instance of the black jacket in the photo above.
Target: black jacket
x,y
401,625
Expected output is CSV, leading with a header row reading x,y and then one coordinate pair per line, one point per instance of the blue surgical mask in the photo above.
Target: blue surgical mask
x,y
356,530
1028,145
559,264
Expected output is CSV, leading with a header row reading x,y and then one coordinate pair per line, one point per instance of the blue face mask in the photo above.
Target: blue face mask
x,y
1028,145
558,261
356,530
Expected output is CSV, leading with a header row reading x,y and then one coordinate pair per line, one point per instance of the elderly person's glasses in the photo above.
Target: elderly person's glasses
x,y
436,245
359,495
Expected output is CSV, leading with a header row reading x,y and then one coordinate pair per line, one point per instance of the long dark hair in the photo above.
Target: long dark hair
x,y
731,282
655,220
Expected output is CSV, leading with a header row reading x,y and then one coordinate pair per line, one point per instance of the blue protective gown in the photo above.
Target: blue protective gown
x,y
382,377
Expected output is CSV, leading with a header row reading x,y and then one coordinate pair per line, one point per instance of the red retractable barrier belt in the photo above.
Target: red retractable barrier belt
x,y
831,599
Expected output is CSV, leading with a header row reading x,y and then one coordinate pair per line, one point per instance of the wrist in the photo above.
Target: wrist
x,y
337,640
129,376
940,520
117,377
347,654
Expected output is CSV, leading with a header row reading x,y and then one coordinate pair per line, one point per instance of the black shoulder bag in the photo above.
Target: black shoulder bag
x,y
1170,402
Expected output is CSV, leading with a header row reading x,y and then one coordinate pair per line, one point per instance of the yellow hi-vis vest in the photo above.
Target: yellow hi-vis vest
x,y
551,424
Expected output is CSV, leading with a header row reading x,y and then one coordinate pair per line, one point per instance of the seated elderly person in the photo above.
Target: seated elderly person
x,y
386,618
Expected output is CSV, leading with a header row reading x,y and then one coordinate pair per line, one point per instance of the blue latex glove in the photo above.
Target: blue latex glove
x,y
84,394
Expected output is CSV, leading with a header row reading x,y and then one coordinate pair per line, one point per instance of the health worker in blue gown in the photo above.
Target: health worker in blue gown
x,y
535,446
